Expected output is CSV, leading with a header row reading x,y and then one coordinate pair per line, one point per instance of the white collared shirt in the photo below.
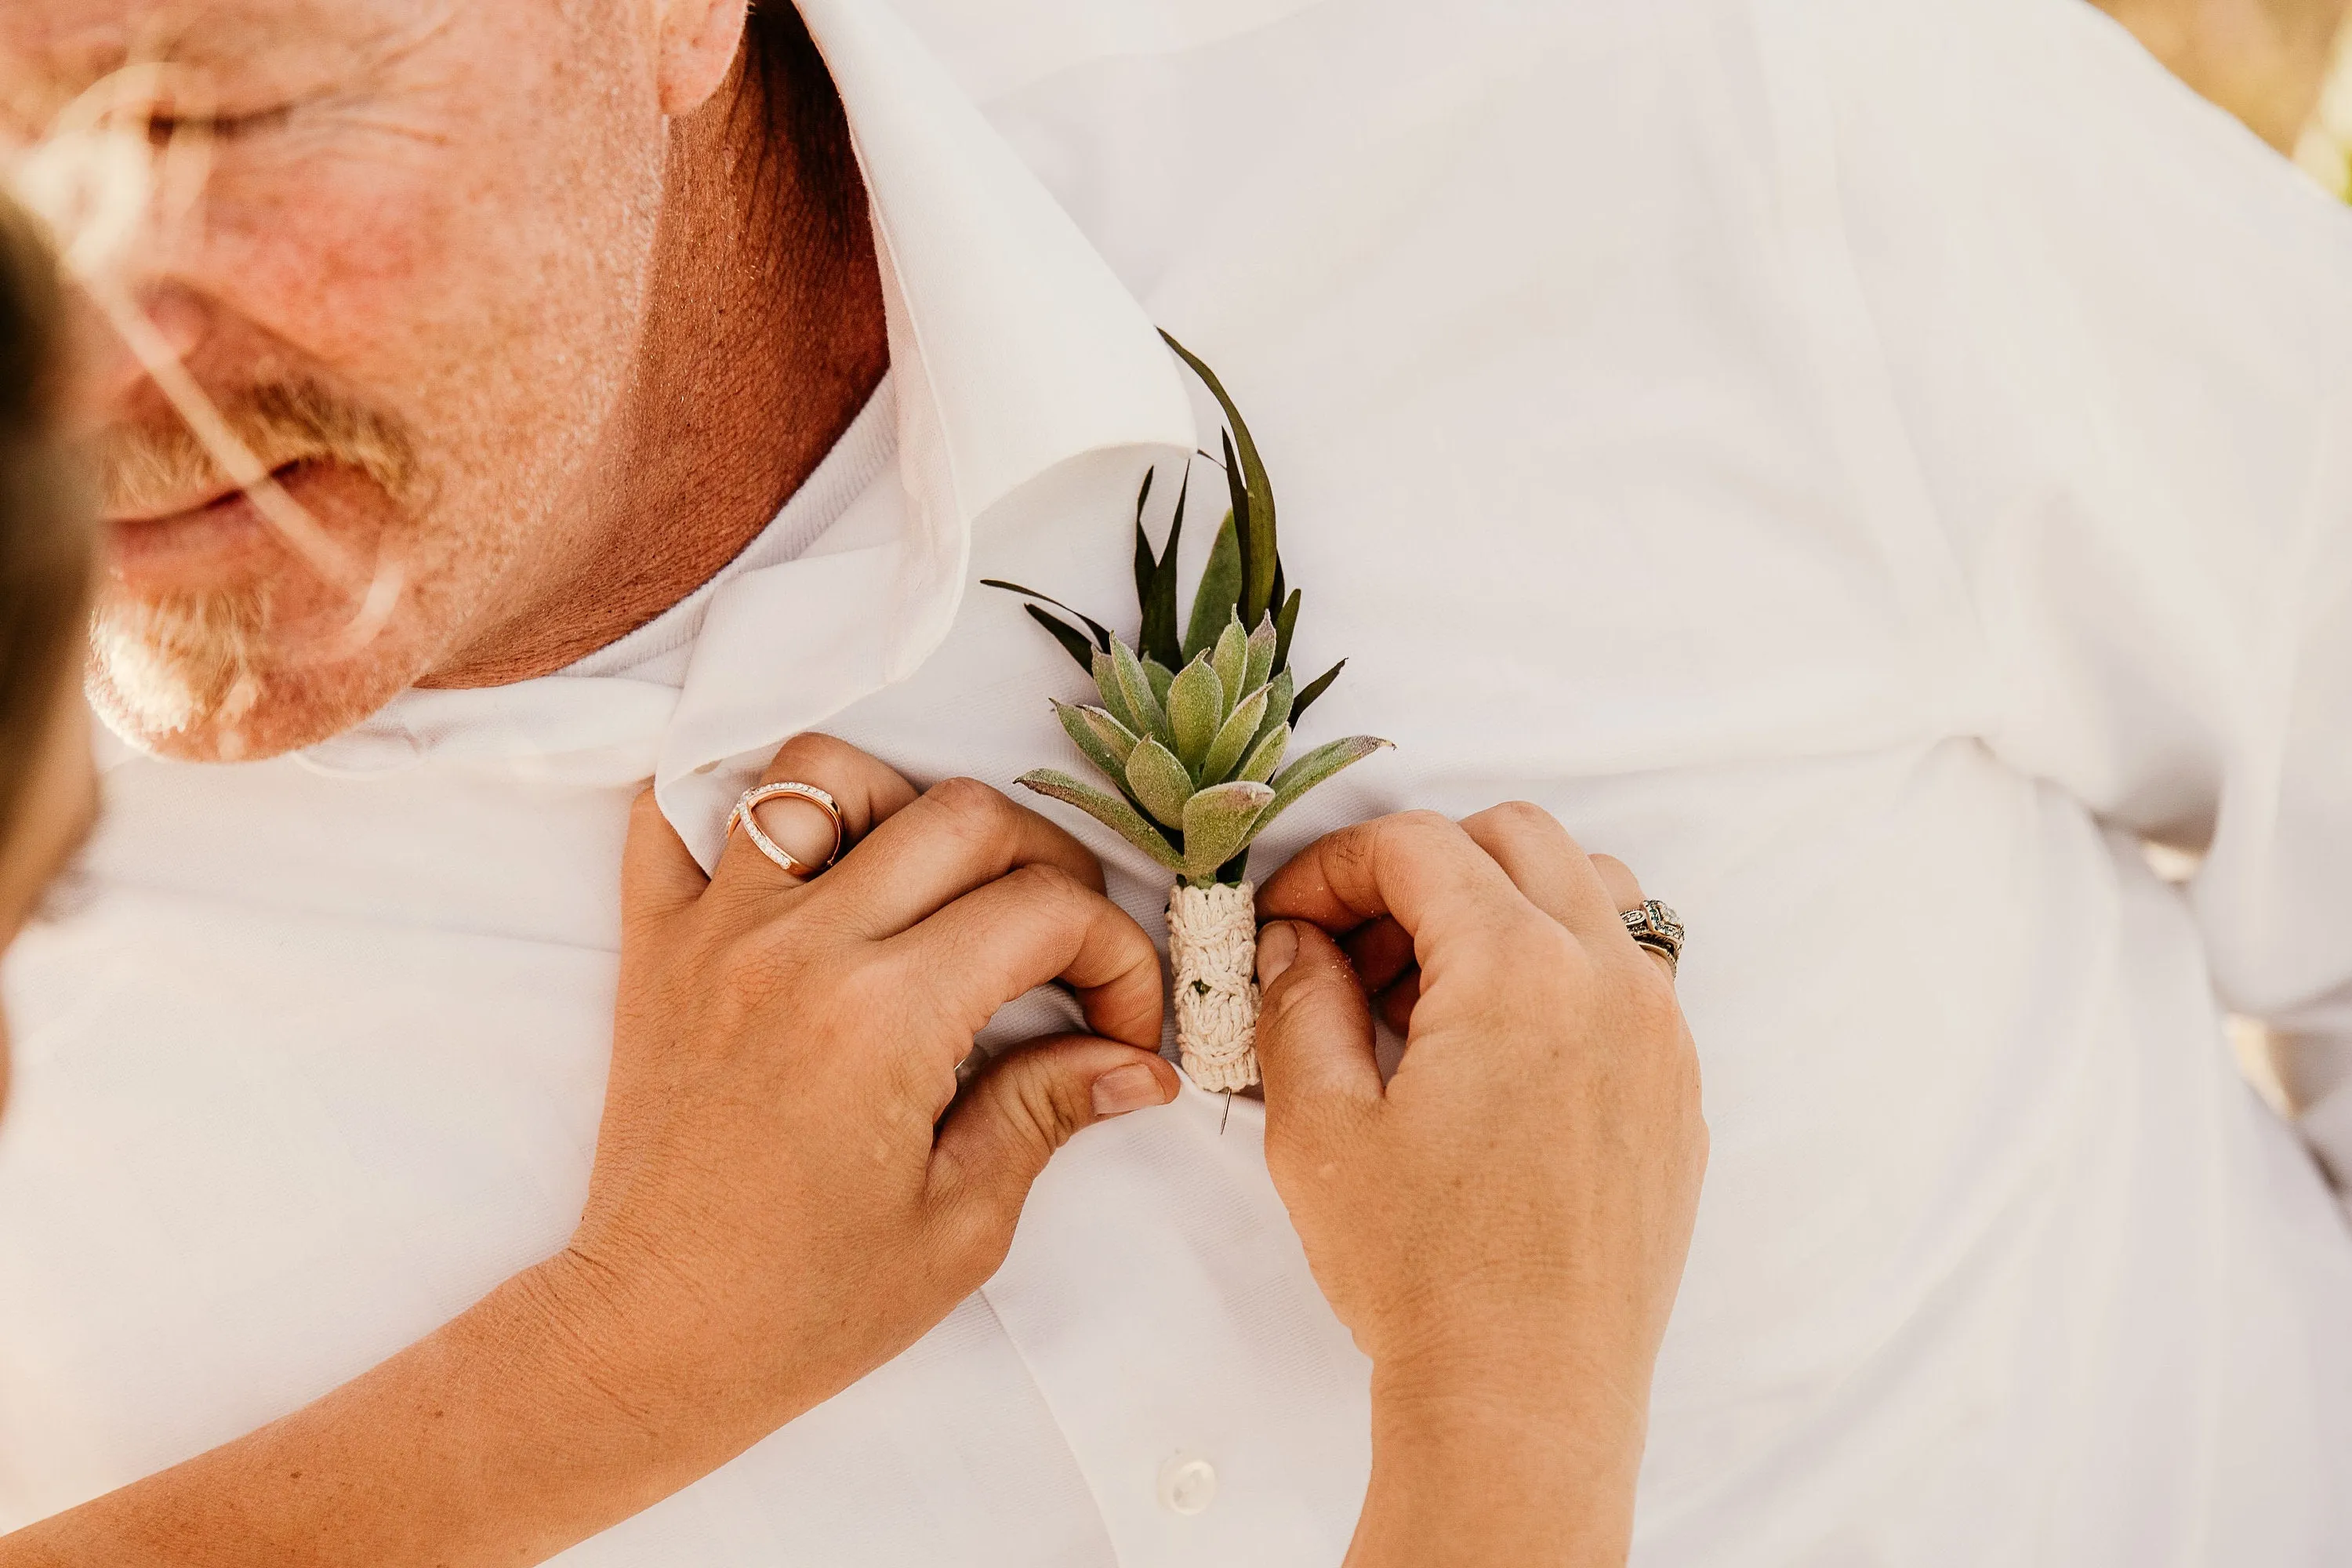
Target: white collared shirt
x,y
1863,462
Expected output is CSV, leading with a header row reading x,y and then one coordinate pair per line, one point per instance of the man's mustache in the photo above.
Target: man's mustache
x,y
144,470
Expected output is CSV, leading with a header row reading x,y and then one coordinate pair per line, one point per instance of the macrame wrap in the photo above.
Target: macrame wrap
x,y
1212,945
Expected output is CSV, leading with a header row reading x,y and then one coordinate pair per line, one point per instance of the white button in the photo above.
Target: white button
x,y
1187,1485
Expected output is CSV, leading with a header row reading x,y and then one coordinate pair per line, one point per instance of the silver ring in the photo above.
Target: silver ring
x,y
742,816
1657,928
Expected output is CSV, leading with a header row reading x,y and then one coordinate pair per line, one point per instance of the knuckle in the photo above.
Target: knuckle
x,y
971,808
1524,815
811,751
1049,883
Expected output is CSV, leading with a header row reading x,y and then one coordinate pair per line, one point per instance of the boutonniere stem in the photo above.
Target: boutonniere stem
x,y
1193,732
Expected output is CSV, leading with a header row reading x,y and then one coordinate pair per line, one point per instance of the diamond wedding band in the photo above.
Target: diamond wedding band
x,y
1657,928
743,816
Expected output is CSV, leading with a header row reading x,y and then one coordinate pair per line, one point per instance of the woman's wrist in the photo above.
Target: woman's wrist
x,y
1488,1458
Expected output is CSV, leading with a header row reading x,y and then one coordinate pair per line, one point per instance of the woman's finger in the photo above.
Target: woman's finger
x,y
867,791
1546,865
1033,924
1380,951
960,834
1416,867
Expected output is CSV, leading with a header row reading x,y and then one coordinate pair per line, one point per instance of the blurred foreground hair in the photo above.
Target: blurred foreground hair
x,y
45,514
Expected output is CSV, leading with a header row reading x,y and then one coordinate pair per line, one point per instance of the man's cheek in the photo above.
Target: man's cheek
x,y
349,273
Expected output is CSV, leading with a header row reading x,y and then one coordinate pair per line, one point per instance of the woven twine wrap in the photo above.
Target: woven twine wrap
x,y
1213,943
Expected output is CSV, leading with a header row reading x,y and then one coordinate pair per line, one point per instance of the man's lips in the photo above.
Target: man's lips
x,y
195,545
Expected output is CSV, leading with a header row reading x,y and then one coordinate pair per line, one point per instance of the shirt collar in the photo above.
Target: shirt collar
x,y
1015,349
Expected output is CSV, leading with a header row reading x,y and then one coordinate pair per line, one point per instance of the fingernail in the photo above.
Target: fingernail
x,y
1126,1089
1277,944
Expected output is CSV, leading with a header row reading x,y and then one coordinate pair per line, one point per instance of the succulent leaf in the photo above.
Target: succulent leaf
x,y
1277,705
1218,823
1286,623
1235,737
1220,591
1143,713
1258,540
1317,766
1105,742
1230,659
1161,678
1321,684
1258,669
1114,702
1196,706
1112,811
1102,632
1160,782
1158,639
1073,641
1265,754
1237,496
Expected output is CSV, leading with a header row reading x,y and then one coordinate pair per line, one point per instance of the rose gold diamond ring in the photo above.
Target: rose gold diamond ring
x,y
745,817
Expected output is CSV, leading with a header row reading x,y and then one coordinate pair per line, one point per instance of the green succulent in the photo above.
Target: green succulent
x,y
1193,730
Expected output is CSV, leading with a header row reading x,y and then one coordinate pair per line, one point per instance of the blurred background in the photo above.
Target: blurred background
x,y
2284,66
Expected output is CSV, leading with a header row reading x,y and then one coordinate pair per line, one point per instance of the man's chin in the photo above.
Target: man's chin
x,y
228,703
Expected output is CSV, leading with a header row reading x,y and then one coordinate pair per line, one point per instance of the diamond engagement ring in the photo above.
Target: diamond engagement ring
x,y
1656,927
744,816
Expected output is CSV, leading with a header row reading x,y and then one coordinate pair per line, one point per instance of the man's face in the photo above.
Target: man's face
x,y
412,285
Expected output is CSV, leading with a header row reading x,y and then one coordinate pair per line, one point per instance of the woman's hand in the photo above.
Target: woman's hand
x,y
777,1207
1502,1225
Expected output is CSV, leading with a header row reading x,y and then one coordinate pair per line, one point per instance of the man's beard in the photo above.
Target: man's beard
x,y
196,664
192,662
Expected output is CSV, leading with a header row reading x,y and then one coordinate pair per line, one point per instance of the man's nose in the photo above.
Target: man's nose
x,y
166,319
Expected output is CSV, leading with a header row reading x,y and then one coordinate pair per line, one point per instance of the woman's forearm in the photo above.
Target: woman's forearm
x,y
504,1437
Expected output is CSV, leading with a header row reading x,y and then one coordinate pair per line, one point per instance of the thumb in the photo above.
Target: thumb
x,y
993,1142
659,873
1313,1027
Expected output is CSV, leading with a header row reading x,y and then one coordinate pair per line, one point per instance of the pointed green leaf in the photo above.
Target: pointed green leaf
x,y
1317,766
1234,738
1218,823
1237,493
1219,592
1159,780
1105,742
1231,661
1102,632
1277,705
1259,669
1196,706
1158,639
1321,684
1258,559
1074,641
1143,713
1265,754
1145,563
1286,622
1114,701
1161,678
1112,811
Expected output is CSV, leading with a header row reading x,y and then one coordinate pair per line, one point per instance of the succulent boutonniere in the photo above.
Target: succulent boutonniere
x,y
1192,733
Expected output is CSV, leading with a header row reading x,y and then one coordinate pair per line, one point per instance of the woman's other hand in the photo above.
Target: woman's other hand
x,y
1502,1225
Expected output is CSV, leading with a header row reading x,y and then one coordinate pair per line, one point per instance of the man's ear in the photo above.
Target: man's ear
x,y
696,40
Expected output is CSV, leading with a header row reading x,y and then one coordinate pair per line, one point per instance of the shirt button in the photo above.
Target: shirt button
x,y
1187,1485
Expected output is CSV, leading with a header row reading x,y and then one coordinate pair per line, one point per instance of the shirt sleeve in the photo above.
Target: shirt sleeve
x,y
2116,327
